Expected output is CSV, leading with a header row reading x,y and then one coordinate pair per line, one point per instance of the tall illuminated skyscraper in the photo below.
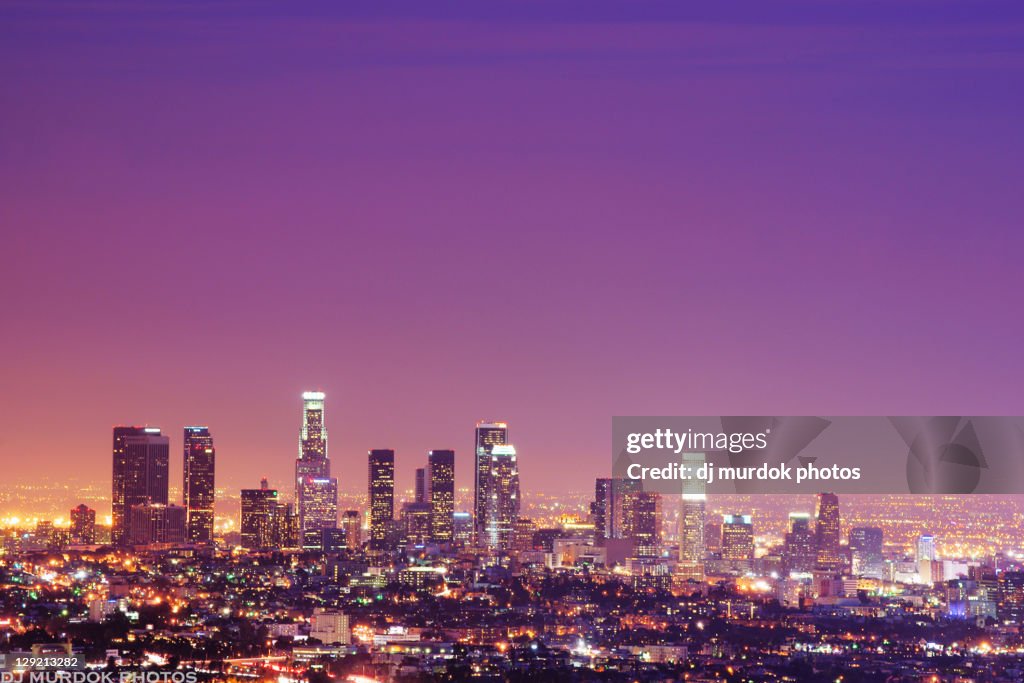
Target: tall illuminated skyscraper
x,y
799,553
256,525
738,541
866,558
197,484
381,496
440,494
502,510
316,492
827,532
488,435
140,459
692,519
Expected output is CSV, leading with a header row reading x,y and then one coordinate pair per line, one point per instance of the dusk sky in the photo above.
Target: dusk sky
x,y
542,212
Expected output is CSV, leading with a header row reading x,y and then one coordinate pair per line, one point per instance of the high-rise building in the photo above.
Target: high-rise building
x,y
926,548
692,519
827,533
420,492
156,523
1010,606
602,510
352,524
488,435
316,492
866,557
416,523
502,509
462,528
800,553
738,541
641,519
83,525
141,456
197,484
257,523
381,496
440,494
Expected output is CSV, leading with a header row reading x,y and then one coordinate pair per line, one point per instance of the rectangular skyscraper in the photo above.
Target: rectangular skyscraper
x,y
197,484
259,507
827,533
141,456
381,496
488,435
502,509
316,492
440,479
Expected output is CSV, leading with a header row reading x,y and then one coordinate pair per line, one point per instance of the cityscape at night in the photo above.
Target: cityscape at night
x,y
299,580
506,341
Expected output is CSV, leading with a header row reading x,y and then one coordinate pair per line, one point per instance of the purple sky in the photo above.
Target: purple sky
x,y
543,212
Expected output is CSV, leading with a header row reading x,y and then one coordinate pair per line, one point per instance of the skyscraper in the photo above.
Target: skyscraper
x,y
602,510
83,525
827,532
692,520
420,492
641,519
866,552
502,509
259,508
926,548
197,484
738,541
140,459
440,494
381,496
488,435
800,553
316,493
352,523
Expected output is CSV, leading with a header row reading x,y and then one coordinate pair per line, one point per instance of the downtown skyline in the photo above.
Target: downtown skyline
x,y
300,200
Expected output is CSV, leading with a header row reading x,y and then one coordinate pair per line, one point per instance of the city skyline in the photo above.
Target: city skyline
x,y
657,192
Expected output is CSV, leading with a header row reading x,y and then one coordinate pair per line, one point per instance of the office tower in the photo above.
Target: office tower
x,y
622,492
738,541
800,552
602,511
440,494
285,525
926,548
141,457
416,523
462,528
83,525
641,522
382,496
692,519
352,523
1010,605
488,435
316,493
156,523
257,523
197,484
502,509
866,552
420,492
826,532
